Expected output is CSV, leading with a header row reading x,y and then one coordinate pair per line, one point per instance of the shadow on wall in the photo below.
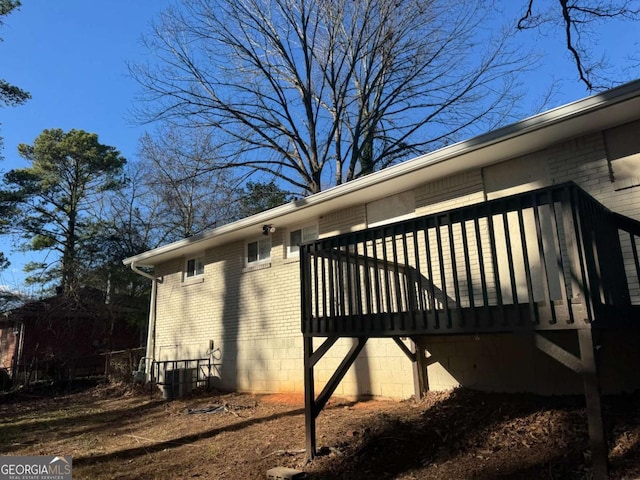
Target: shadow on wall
x,y
512,363
215,334
230,318
253,341
243,365
362,372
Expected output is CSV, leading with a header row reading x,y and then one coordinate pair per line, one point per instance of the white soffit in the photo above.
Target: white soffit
x,y
605,110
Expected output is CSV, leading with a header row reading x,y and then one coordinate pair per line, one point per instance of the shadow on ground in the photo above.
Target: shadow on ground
x,y
475,435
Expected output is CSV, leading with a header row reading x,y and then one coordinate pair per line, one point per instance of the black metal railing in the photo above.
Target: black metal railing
x,y
178,378
549,258
629,240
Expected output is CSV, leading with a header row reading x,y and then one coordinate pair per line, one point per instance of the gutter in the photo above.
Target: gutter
x,y
135,268
151,331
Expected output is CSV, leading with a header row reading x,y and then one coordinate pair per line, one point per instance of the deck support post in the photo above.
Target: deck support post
x,y
597,438
312,405
420,384
309,397
420,364
587,367
558,353
415,353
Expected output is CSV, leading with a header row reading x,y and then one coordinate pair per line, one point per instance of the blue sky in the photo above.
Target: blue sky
x,y
72,55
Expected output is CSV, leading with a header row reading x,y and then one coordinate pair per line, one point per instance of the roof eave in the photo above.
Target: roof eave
x,y
534,133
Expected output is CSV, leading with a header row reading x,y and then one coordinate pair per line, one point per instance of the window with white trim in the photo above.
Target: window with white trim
x,y
258,251
298,236
194,267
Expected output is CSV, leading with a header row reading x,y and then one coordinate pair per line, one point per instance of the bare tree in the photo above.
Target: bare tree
x,y
126,222
189,196
319,92
576,19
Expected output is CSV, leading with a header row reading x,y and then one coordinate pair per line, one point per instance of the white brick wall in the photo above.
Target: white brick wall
x,y
481,363
253,316
450,192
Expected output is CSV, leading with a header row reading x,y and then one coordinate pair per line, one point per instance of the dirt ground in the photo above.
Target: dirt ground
x,y
114,432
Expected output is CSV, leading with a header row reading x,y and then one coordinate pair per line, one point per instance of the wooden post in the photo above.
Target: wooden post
x,y
587,366
312,405
420,381
309,400
597,437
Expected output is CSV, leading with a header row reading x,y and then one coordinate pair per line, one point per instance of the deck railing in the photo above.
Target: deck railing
x,y
629,237
545,259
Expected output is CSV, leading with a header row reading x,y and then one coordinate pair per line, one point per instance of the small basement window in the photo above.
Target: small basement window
x,y
298,236
259,251
194,267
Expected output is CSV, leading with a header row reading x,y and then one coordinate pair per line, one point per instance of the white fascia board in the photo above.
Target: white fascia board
x,y
604,110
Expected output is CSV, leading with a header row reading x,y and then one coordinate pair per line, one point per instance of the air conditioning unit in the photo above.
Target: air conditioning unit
x,y
179,382
187,381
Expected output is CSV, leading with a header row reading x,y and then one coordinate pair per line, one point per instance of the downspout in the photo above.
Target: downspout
x,y
151,333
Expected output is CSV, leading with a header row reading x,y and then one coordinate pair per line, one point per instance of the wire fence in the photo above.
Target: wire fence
x,y
115,366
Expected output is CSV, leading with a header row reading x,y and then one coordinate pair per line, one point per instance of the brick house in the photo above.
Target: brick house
x,y
238,286
60,337
10,350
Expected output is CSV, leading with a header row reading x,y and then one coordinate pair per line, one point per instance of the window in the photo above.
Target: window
x,y
194,267
623,153
298,236
259,251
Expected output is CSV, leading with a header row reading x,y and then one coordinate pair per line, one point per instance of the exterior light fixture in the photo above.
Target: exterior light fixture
x,y
267,229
